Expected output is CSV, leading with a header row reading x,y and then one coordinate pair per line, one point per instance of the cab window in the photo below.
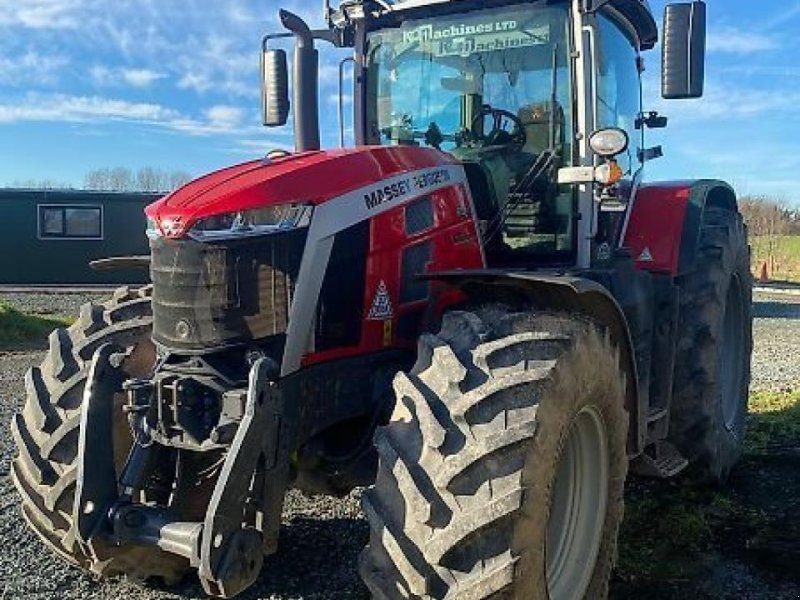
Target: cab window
x,y
619,90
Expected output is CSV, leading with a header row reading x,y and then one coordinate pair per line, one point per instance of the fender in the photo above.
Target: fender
x,y
664,225
570,294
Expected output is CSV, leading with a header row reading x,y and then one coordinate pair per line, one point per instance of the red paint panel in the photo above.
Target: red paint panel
x,y
313,177
455,245
656,226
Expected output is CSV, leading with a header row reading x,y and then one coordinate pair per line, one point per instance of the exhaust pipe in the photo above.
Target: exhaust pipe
x,y
306,84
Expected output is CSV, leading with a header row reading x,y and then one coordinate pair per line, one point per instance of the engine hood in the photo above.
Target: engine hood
x,y
312,177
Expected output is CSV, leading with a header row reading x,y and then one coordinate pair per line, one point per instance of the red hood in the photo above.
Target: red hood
x,y
310,177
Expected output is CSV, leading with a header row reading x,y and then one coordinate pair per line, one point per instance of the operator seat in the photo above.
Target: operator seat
x,y
536,119
534,206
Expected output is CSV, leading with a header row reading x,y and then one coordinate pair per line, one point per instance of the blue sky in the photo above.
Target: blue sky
x,y
173,84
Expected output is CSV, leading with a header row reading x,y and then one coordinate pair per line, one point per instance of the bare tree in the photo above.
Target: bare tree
x,y
146,179
149,179
99,179
766,216
178,179
121,180
42,184
768,220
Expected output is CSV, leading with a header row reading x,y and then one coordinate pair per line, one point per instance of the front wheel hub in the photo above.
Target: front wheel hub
x,y
578,509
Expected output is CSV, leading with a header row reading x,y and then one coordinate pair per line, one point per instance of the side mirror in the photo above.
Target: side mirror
x,y
275,88
684,51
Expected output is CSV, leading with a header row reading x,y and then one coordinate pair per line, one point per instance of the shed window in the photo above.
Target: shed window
x,y
71,222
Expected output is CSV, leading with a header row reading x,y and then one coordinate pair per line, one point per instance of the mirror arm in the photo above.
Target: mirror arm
x,y
649,154
323,35
651,120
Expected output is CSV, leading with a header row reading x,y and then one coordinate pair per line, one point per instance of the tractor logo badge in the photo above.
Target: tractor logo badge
x,y
646,256
382,305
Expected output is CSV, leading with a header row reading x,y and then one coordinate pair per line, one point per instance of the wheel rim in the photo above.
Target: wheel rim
x,y
578,509
731,366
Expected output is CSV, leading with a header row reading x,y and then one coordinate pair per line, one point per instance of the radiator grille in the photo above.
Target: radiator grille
x,y
218,294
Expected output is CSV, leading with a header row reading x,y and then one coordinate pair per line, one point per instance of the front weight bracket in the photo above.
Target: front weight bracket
x,y
231,548
96,484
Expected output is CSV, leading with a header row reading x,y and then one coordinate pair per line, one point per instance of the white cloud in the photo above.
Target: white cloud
x,y
732,40
259,147
763,70
29,68
60,108
786,12
217,64
240,13
723,101
141,77
195,81
40,14
224,116
63,108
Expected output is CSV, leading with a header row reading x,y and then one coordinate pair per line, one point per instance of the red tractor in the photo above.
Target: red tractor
x,y
481,311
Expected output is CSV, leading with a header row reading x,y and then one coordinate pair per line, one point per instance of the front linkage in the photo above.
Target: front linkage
x,y
243,516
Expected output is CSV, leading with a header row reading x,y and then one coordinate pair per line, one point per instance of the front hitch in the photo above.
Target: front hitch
x,y
243,516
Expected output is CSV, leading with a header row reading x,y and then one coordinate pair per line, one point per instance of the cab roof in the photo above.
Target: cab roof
x,y
636,12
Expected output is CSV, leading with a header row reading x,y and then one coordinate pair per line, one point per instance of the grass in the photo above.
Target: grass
x,y
774,422
17,327
664,523
672,531
782,255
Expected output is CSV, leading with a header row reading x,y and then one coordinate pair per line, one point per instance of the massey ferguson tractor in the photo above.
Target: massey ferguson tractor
x,y
481,311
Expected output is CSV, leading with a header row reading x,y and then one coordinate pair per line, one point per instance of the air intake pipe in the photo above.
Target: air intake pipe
x,y
306,83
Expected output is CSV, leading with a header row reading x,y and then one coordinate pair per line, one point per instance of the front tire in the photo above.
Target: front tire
x,y
46,433
502,470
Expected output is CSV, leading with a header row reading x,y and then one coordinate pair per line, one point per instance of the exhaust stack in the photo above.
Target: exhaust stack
x,y
306,83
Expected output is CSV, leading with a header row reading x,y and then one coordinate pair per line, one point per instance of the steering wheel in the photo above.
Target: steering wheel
x,y
499,135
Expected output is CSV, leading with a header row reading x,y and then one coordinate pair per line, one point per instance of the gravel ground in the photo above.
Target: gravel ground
x,y
776,364
322,536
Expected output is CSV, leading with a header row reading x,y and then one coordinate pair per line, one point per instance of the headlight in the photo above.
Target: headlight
x,y
259,221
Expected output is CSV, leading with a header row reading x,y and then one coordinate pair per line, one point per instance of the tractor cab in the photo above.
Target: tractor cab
x,y
515,91
493,88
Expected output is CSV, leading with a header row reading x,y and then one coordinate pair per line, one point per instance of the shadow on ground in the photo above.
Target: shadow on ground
x,y
684,542
776,310
318,559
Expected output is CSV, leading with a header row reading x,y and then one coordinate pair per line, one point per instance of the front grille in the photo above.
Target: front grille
x,y
208,295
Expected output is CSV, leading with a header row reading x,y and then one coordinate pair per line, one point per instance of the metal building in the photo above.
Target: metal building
x,y
49,237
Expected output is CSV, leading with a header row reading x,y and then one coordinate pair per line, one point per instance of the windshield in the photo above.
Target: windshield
x,y
433,82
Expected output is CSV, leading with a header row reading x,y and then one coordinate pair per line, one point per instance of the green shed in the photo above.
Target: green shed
x,y
50,237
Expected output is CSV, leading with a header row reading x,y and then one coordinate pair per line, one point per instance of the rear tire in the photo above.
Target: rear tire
x,y
473,497
715,343
46,433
